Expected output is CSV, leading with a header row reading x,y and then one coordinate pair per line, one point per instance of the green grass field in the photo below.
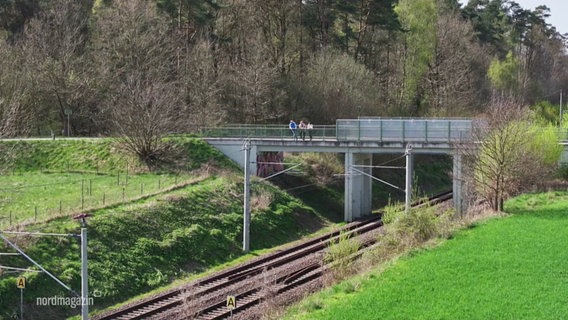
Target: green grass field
x,y
144,240
26,197
505,268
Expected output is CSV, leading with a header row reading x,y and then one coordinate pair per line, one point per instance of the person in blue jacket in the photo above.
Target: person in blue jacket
x,y
293,127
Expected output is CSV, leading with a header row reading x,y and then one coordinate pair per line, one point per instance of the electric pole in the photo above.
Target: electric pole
x,y
246,209
408,191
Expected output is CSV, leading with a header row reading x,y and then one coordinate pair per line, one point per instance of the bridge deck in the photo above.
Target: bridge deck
x,y
402,130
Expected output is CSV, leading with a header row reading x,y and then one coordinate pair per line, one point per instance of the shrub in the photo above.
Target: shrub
x,y
408,229
562,172
340,252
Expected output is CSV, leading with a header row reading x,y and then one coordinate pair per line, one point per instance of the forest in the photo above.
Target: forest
x,y
155,67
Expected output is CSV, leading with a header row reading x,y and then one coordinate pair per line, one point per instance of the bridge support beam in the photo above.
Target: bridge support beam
x,y
458,185
358,186
235,152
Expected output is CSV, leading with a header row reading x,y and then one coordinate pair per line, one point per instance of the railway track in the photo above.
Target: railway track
x,y
281,271
174,298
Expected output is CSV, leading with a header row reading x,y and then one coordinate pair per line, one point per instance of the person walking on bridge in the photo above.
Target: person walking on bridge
x,y
293,127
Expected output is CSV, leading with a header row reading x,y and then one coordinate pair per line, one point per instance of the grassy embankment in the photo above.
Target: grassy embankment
x,y
147,242
43,179
503,268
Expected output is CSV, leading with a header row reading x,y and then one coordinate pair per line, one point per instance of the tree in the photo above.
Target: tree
x,y
504,74
336,86
54,43
202,80
545,113
540,53
253,87
137,61
345,11
16,117
143,112
193,17
253,58
371,16
419,18
511,155
491,22
15,13
319,18
274,18
454,83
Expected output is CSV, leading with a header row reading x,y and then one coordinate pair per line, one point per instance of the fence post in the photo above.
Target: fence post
x,y
104,196
35,217
123,194
60,207
82,192
10,218
141,189
90,187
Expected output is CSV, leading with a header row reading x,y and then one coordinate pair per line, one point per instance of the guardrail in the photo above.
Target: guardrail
x,y
434,130
404,130
271,131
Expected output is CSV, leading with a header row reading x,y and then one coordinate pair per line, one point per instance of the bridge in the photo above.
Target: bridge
x,y
358,140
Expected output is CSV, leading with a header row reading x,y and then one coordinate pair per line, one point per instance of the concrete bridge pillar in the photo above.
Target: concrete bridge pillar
x,y
458,185
253,156
358,185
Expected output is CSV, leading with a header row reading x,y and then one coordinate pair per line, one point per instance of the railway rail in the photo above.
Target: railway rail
x,y
280,272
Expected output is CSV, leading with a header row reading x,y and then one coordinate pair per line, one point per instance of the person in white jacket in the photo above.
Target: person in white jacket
x,y
310,128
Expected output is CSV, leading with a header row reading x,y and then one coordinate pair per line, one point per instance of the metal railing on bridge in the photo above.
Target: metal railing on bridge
x,y
404,129
269,131
362,129
366,129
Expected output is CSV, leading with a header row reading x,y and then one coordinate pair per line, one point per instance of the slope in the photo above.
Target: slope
x,y
149,242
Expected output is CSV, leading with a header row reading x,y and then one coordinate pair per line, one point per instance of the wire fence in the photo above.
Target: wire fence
x,y
39,196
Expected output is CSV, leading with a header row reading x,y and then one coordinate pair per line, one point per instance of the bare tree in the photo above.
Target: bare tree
x,y
274,17
54,45
252,67
137,62
42,71
510,155
339,87
14,118
202,79
143,112
454,80
253,86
